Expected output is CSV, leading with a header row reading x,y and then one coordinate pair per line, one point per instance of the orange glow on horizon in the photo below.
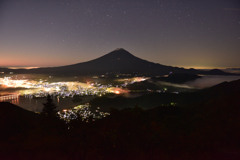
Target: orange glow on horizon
x,y
199,67
22,67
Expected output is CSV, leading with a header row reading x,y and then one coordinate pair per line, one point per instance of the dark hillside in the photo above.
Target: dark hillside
x,y
117,61
19,119
205,130
155,99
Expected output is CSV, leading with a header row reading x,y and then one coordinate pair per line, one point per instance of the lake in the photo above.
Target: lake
x,y
36,105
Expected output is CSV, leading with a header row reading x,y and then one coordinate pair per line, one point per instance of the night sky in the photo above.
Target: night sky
x,y
183,33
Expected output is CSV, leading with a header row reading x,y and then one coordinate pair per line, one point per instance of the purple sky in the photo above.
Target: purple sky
x,y
184,33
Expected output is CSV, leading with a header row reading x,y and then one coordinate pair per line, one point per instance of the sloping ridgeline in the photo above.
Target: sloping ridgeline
x,y
118,60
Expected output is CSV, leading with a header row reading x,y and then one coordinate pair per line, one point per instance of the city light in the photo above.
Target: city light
x,y
82,112
41,88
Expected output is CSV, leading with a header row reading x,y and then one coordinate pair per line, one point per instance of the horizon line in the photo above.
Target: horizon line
x,y
187,67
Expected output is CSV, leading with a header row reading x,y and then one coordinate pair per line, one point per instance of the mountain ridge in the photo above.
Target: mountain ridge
x,y
117,61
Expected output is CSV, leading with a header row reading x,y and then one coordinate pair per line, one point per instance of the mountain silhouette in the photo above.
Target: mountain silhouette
x,y
221,92
117,61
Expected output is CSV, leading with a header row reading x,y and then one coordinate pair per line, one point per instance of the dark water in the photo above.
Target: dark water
x,y
36,105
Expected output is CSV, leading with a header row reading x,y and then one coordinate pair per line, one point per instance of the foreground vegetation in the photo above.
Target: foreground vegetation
x,y
203,131
207,129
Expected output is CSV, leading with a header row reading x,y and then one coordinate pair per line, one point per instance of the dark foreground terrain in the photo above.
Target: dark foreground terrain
x,y
207,129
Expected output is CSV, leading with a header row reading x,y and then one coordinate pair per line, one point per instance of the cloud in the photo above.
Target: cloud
x,y
174,85
209,81
200,83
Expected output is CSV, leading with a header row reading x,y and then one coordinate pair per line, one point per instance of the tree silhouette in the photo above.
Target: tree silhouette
x,y
49,108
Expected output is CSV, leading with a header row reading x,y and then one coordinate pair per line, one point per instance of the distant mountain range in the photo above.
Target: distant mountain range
x,y
117,61
222,91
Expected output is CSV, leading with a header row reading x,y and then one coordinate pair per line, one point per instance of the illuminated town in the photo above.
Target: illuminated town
x,y
37,89
83,112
